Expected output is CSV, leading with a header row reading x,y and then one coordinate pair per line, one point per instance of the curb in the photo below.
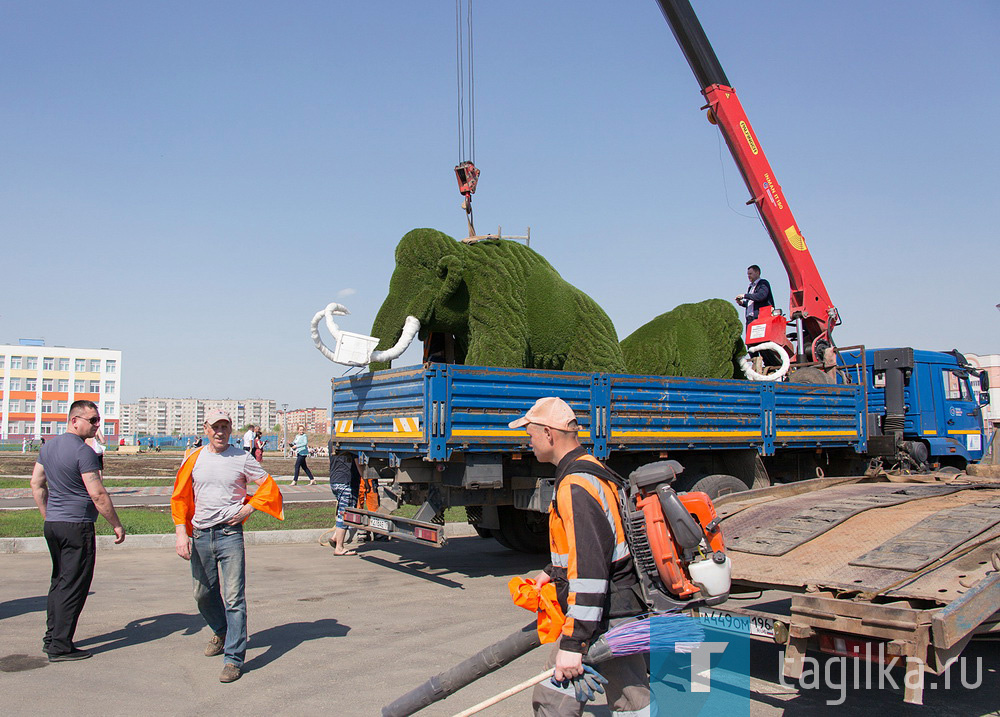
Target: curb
x,y
255,537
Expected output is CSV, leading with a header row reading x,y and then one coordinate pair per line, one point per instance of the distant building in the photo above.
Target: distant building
x,y
40,382
184,416
991,363
315,420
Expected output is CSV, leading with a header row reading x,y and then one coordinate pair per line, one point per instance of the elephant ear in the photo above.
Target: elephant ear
x,y
450,270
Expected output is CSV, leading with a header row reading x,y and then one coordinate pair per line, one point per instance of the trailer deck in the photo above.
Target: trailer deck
x,y
910,567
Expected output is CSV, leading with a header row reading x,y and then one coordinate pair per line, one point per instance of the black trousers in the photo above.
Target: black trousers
x,y
300,463
73,548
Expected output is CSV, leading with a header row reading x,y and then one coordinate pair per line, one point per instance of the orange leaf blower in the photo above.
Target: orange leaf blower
x,y
676,541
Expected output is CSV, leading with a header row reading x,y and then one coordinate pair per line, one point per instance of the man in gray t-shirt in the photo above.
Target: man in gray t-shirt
x,y
67,487
215,480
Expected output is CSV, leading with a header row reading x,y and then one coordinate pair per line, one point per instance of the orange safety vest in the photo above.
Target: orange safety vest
x,y
267,498
587,571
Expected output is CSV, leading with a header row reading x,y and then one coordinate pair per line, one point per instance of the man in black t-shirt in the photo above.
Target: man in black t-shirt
x,y
67,487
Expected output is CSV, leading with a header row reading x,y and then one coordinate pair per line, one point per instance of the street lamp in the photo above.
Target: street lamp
x,y
284,434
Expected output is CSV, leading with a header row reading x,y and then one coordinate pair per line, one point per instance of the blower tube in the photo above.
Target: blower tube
x,y
450,681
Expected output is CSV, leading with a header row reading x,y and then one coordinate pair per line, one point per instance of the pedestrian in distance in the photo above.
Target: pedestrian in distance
x,y
248,437
209,505
96,443
258,445
67,486
591,566
344,475
301,447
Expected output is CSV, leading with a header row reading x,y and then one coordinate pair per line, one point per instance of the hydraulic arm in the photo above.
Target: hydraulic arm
x,y
810,306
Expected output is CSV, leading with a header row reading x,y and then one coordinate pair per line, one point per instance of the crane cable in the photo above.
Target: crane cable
x,y
465,171
465,76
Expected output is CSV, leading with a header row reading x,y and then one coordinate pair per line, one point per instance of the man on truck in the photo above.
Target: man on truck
x,y
758,294
591,566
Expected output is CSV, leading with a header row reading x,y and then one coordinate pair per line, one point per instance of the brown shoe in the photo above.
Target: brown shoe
x,y
230,673
215,646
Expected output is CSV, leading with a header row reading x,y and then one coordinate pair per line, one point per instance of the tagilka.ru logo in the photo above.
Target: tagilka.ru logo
x,y
721,676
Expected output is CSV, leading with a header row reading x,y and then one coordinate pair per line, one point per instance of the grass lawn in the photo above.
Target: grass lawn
x,y
157,521
108,482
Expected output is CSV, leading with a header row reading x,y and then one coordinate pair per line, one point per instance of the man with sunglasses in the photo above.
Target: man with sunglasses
x,y
67,487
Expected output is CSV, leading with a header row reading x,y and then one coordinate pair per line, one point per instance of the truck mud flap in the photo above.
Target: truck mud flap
x,y
761,536
932,538
395,527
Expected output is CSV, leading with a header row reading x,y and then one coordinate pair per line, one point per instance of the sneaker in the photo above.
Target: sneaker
x,y
230,673
215,645
294,482
70,656
312,482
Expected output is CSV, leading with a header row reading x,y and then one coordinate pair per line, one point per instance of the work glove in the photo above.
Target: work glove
x,y
585,685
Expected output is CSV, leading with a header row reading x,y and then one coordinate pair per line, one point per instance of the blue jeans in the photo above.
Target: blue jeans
x,y
218,565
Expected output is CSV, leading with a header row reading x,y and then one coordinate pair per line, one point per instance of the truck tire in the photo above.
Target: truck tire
x,y
483,532
718,485
498,536
522,530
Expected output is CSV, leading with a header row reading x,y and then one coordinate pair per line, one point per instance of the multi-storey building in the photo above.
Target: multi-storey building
x,y
129,419
40,382
991,364
185,416
315,420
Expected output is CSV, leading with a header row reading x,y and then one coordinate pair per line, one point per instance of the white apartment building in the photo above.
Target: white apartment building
x,y
40,382
185,416
991,363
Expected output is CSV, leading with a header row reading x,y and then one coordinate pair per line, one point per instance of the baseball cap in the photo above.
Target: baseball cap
x,y
550,411
215,415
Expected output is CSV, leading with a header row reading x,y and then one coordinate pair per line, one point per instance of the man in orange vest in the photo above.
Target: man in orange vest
x,y
210,503
591,566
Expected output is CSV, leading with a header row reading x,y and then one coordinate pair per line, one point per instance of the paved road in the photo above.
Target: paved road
x,y
329,636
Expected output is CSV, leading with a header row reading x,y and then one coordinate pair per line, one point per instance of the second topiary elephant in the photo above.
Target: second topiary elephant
x,y
703,340
504,304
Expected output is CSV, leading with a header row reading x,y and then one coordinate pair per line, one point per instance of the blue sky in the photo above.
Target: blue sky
x,y
189,182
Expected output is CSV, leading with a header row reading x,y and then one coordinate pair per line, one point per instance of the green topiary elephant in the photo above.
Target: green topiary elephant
x,y
704,340
504,304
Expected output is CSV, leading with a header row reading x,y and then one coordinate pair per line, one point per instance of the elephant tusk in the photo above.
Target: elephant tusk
x,y
334,309
410,329
331,310
766,346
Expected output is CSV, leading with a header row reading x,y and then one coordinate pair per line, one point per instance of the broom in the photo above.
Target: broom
x,y
659,631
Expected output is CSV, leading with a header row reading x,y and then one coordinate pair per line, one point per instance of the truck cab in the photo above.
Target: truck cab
x,y
928,397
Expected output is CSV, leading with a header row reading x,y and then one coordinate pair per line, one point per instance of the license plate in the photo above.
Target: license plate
x,y
742,624
380,523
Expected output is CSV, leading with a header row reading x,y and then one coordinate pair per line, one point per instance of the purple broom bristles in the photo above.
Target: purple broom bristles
x,y
670,631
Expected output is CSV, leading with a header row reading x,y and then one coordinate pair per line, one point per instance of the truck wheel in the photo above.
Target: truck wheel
x,y
500,539
483,532
522,530
719,485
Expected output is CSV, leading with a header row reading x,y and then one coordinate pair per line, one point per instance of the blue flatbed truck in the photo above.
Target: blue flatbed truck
x,y
436,435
